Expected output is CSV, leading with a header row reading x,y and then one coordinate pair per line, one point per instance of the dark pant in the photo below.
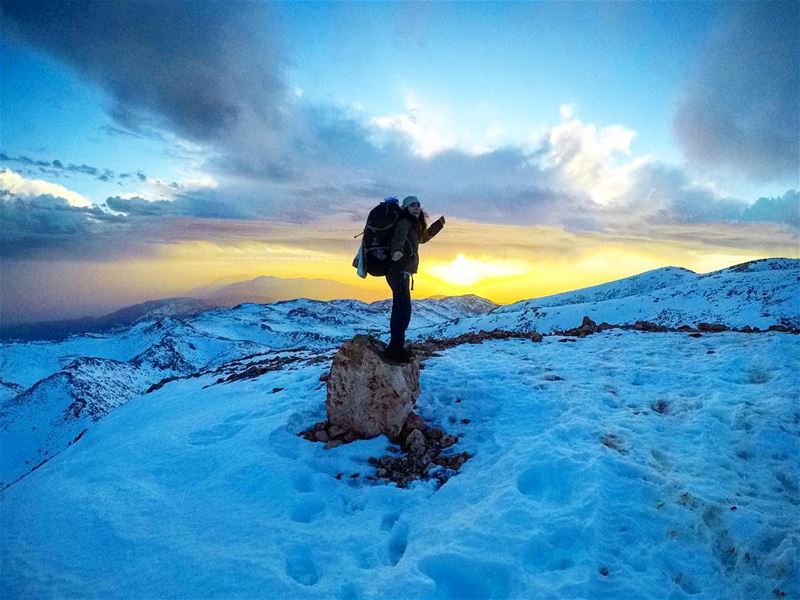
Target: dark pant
x,y
401,307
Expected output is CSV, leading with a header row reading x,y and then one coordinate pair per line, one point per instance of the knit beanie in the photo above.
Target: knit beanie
x,y
409,200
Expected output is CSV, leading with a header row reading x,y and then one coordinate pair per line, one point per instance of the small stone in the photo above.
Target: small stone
x,y
415,442
466,421
276,390
335,431
448,440
381,472
338,475
321,436
355,476
333,444
414,421
434,433
604,571
712,327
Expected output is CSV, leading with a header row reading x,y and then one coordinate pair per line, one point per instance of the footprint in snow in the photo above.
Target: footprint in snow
x,y
552,482
284,443
303,483
307,509
300,566
388,521
218,433
459,577
398,542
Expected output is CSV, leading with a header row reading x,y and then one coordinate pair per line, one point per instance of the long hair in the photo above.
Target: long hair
x,y
421,222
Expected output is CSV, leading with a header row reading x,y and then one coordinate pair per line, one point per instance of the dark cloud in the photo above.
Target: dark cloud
x,y
45,222
663,194
201,204
59,169
201,68
36,225
741,108
783,209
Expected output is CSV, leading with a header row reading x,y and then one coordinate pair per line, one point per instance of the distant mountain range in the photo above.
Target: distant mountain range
x,y
51,392
261,290
124,317
265,289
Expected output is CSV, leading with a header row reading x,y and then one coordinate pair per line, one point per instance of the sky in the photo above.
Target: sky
x,y
149,149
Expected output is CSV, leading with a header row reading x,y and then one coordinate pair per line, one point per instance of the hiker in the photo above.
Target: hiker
x,y
411,230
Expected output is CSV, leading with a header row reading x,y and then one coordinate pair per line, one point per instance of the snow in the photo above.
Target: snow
x,y
757,294
622,453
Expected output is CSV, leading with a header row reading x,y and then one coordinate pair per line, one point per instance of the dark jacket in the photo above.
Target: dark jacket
x,y
407,241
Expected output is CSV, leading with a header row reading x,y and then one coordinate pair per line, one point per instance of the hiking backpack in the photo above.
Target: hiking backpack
x,y
373,254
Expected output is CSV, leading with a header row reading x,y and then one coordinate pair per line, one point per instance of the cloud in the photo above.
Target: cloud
x,y
423,131
42,218
663,194
17,185
212,74
33,224
783,209
59,169
201,69
741,107
587,157
201,204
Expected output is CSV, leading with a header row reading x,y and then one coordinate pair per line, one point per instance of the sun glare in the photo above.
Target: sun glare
x,y
464,272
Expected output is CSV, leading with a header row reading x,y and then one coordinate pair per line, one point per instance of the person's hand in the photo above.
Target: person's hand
x,y
397,255
442,220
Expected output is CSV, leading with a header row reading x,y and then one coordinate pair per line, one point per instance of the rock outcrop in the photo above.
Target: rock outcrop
x,y
367,395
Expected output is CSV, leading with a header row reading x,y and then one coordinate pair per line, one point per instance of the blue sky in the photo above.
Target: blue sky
x,y
131,129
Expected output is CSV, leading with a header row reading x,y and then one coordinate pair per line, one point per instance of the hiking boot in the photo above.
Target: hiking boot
x,y
398,355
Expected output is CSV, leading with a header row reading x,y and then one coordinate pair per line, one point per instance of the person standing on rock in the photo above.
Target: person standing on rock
x,y
410,231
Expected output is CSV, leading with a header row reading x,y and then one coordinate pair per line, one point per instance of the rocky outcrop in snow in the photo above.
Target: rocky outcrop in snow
x,y
367,395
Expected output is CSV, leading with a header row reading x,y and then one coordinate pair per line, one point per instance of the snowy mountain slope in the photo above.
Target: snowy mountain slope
x,y
40,422
9,390
637,285
625,465
25,363
761,294
43,420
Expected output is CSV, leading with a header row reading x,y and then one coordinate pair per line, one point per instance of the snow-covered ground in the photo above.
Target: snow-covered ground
x,y
622,465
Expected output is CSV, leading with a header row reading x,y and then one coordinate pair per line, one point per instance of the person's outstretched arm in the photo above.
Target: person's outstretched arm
x,y
435,228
